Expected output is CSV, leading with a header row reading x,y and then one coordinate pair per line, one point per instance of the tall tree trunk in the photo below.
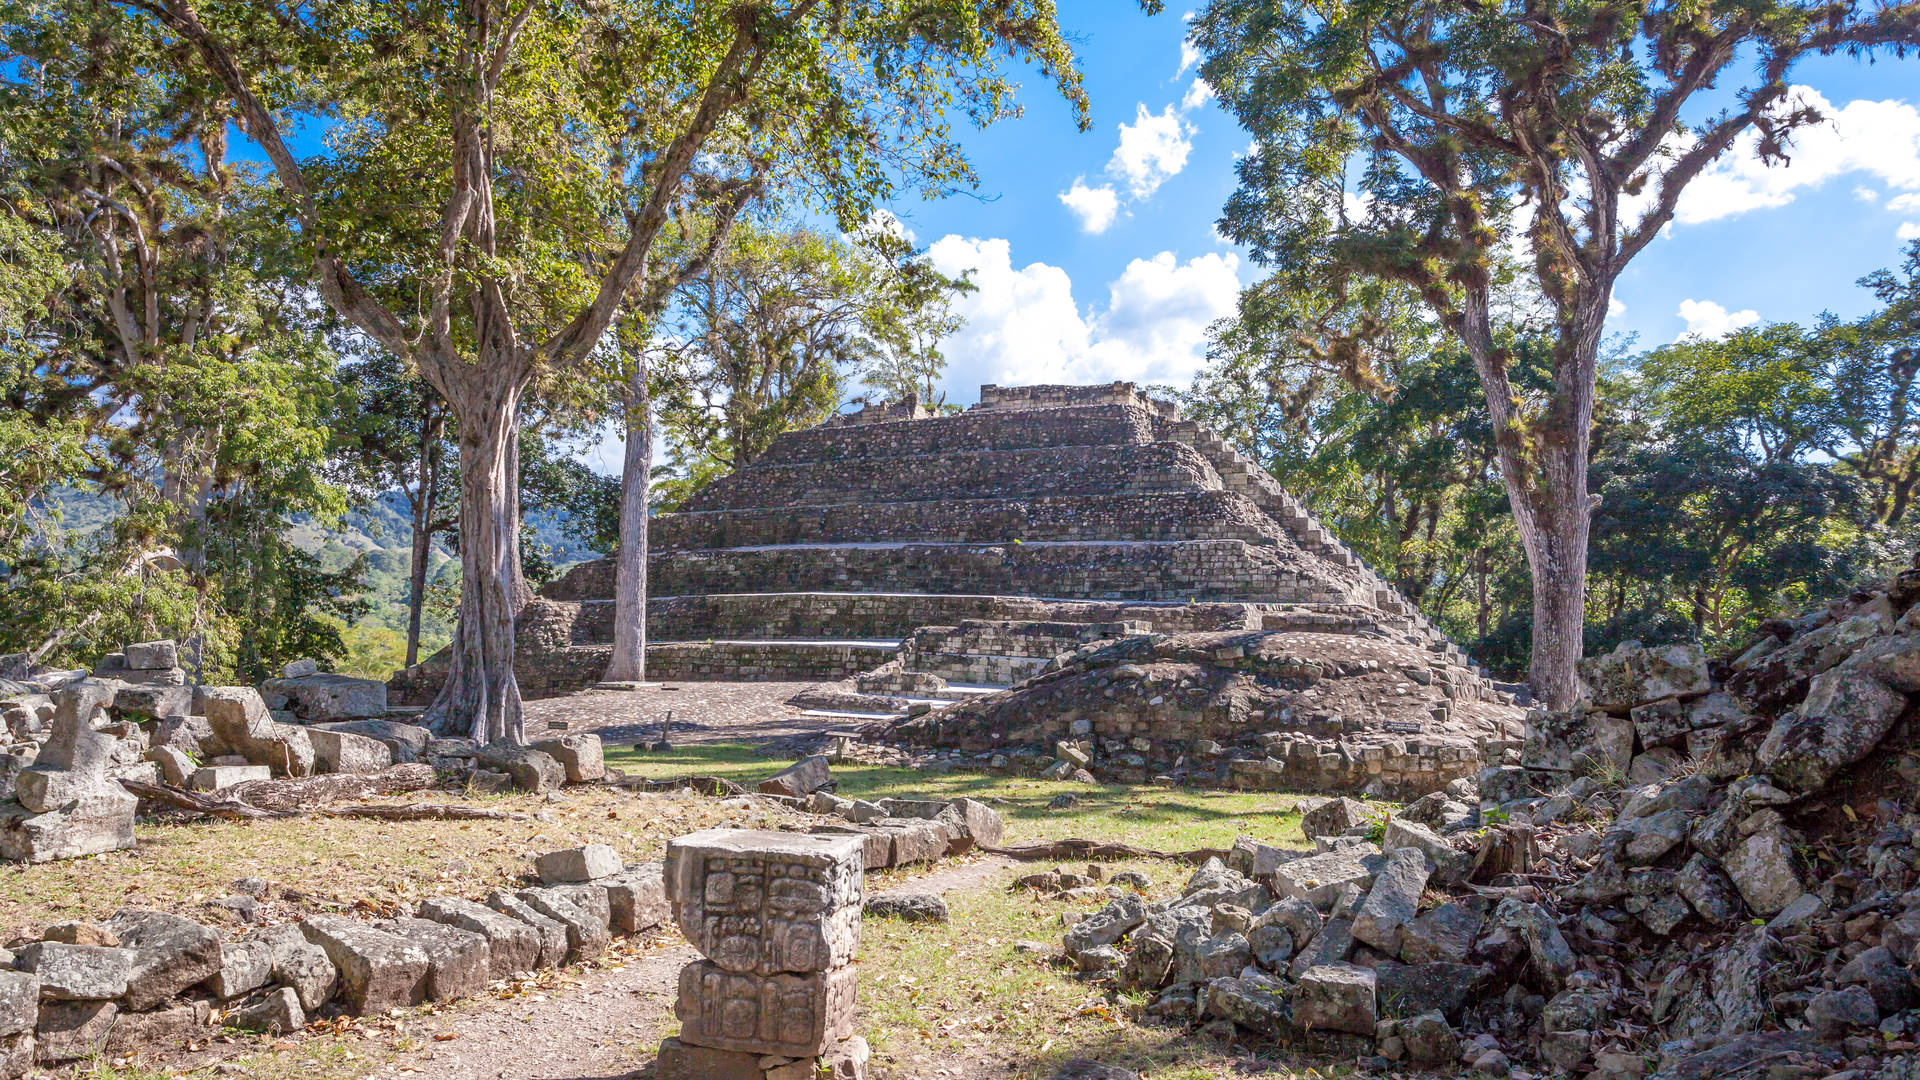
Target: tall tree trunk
x,y
422,547
629,661
481,697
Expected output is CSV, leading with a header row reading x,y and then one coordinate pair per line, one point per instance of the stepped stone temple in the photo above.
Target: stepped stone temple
x,y
943,557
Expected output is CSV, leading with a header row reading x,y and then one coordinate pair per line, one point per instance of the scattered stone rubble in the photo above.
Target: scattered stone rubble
x,y
776,918
1707,869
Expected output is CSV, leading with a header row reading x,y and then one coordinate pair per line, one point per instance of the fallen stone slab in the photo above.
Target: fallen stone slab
x,y
459,963
570,865
978,824
1336,816
552,932
914,840
345,752
908,907
1258,1005
1393,901
152,701
76,972
513,946
176,768
378,971
221,777
582,756
151,656
168,1028
406,742
1319,879
170,953
802,778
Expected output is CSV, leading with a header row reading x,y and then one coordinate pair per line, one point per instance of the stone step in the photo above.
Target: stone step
x,y
960,474
749,616
1144,570
760,661
1170,515
1083,425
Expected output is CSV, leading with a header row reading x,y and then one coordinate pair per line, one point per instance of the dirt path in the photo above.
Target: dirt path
x,y
605,1025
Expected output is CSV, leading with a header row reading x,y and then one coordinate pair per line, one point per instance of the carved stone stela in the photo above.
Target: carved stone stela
x,y
777,917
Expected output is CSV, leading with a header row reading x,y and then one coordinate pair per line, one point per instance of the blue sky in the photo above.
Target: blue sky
x,y
1121,284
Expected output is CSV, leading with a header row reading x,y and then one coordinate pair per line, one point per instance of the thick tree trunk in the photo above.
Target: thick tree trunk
x,y
1555,535
481,697
629,661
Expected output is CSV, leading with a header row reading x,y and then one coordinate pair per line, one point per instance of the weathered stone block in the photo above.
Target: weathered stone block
x,y
552,933
76,972
301,965
459,963
245,966
19,1002
278,1013
406,742
345,752
1335,997
1393,901
322,697
161,1029
512,945
684,1061
169,954
242,724
914,840
1319,879
71,1030
637,899
768,902
585,920
98,821
582,756
220,777
797,1015
589,863
1634,674
530,769
378,971
151,656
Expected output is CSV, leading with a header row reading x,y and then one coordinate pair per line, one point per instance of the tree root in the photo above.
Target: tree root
x,y
1049,850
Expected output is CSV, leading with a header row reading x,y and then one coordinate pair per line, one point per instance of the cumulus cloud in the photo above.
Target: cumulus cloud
x,y
1878,138
1189,56
1096,207
1023,325
1901,204
1153,149
1197,95
1908,230
1866,194
1615,308
1706,319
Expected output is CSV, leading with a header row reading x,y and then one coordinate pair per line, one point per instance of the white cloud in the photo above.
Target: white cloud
x,y
1095,207
1879,138
1866,194
1900,204
1024,327
1615,308
1153,149
1909,230
1706,319
1197,95
1189,56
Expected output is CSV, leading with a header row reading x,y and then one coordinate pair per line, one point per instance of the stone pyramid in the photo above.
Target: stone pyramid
x,y
948,555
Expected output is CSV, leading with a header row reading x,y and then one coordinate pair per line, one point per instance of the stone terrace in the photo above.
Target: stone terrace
x,y
968,548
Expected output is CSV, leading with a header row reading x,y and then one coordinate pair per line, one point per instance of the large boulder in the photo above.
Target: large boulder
x,y
321,697
1336,997
1845,715
406,742
1635,674
345,752
580,755
803,777
529,769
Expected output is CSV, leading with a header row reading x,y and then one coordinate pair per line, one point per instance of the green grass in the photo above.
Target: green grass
x,y
1153,817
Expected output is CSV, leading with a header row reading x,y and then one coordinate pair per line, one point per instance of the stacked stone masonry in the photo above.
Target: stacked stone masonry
x,y
955,548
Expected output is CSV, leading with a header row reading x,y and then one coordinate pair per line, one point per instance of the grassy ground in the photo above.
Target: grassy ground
x,y
959,1000
1152,817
